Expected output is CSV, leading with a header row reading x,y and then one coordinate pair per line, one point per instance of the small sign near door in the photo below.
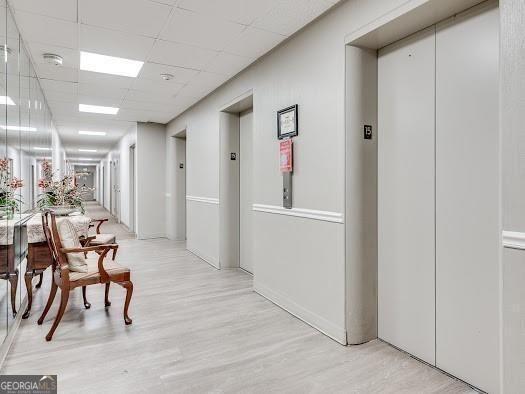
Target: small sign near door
x,y
286,155
368,132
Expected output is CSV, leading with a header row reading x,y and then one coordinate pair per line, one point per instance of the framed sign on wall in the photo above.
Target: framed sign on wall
x,y
287,122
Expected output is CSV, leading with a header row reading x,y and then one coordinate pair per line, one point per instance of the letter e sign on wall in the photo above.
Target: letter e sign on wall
x,y
286,155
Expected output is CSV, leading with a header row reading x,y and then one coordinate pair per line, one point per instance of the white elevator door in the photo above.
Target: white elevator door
x,y
467,186
246,190
438,199
406,193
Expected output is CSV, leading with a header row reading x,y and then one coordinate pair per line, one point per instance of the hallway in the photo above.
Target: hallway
x,y
197,329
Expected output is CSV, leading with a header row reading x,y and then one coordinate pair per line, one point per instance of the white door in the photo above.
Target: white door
x,y
246,190
439,208
467,186
406,195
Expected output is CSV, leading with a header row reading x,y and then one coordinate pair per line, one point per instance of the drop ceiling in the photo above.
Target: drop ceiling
x,y
202,43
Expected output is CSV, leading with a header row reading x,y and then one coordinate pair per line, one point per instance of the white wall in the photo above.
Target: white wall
x,y
119,152
123,147
151,180
58,154
299,263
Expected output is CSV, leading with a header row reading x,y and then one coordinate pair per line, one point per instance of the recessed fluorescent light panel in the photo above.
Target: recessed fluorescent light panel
x,y
84,159
87,132
6,100
87,150
39,148
18,128
109,64
98,109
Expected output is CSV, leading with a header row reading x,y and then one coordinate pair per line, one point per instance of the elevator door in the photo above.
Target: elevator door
x,y
246,190
438,202
467,186
406,193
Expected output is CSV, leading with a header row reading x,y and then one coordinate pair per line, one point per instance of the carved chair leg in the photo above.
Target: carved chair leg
x,y
13,279
128,285
106,298
50,300
40,280
87,305
114,254
28,278
64,296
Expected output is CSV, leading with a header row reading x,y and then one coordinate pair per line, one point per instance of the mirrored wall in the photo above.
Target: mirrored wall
x,y
25,141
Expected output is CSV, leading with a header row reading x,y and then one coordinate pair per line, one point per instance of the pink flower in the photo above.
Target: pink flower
x,y
4,164
43,183
16,183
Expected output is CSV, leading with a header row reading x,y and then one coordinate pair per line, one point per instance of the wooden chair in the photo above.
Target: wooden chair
x,y
101,238
99,272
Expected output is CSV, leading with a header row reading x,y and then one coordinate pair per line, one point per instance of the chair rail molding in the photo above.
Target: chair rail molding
x,y
513,239
206,200
326,216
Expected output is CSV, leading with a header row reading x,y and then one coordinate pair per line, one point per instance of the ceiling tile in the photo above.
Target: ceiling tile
x,y
153,70
181,55
61,9
203,84
228,64
240,11
164,106
47,30
97,100
70,56
59,86
54,95
141,115
159,85
254,43
135,16
113,81
212,32
90,89
291,15
49,71
142,95
114,43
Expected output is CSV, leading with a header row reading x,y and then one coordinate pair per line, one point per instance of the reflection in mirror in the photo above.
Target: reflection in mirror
x,y
4,297
13,164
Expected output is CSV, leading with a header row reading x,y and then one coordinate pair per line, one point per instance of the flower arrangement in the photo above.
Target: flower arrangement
x,y
60,193
9,201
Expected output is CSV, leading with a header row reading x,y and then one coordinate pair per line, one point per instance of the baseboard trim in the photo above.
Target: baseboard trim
x,y
326,216
143,237
513,240
206,200
8,342
312,319
203,256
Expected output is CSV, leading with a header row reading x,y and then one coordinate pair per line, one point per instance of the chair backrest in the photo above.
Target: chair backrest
x,y
53,240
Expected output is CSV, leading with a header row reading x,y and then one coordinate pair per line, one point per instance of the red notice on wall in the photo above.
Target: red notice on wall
x,y
286,156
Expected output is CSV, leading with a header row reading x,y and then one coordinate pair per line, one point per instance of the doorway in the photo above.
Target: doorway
x,y
236,184
246,190
132,209
179,140
115,189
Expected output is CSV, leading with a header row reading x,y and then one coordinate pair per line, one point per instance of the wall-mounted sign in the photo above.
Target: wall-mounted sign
x,y
287,122
368,132
286,155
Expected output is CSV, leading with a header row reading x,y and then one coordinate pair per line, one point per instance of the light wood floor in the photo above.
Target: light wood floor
x,y
199,330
